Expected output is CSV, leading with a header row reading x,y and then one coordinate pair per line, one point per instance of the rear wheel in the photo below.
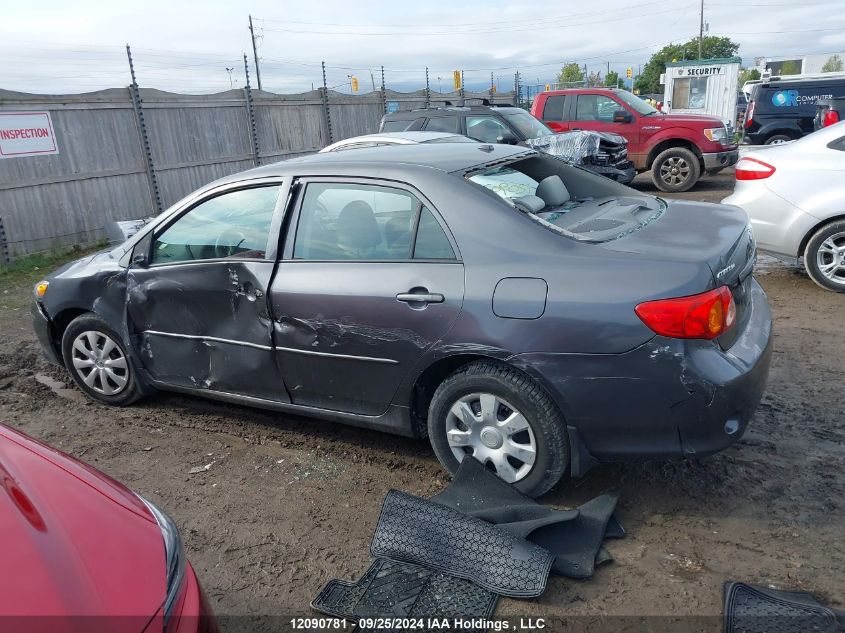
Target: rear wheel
x,y
501,417
675,169
97,361
824,256
778,139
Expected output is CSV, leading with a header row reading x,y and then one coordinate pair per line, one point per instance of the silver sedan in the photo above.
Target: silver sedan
x,y
794,194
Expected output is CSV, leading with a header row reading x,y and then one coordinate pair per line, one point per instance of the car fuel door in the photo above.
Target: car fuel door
x,y
197,309
370,280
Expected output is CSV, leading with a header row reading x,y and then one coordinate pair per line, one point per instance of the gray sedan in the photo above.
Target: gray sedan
x,y
501,302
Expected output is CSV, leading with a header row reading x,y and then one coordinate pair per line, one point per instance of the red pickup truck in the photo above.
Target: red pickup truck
x,y
677,148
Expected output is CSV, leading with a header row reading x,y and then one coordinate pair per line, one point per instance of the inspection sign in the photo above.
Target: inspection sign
x,y
26,134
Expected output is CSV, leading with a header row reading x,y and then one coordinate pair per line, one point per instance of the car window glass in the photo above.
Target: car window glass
x,y
838,144
231,225
506,182
443,124
486,129
346,221
595,108
553,110
395,126
431,242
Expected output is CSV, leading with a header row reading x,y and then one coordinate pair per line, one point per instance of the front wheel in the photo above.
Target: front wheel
x,y
501,417
675,169
824,256
97,361
778,139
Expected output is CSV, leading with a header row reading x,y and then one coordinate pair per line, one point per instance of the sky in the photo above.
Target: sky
x,y
60,47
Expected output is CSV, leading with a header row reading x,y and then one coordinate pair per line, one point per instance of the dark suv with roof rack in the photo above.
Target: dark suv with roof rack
x,y
601,153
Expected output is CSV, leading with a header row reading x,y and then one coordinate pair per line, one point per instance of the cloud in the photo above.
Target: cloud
x,y
59,47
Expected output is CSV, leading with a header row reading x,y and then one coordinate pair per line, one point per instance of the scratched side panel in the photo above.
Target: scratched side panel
x,y
225,300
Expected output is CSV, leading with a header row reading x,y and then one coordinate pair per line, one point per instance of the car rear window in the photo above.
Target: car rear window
x,y
395,126
553,110
442,124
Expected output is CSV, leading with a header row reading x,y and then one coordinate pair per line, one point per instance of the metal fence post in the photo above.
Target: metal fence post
x,y
427,89
492,87
383,93
250,112
5,258
463,95
324,95
137,103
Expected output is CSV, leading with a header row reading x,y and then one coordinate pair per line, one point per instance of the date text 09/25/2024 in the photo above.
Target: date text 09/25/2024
x,y
444,624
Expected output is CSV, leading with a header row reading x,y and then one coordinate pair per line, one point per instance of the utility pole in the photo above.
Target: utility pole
x,y
255,53
231,83
701,29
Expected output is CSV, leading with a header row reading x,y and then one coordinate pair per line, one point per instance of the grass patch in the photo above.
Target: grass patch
x,y
18,277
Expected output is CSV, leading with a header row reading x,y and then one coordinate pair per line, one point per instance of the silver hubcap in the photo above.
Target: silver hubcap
x,y
674,170
830,258
492,431
99,362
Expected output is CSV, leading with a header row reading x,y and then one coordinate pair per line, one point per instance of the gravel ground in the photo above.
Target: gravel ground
x,y
283,504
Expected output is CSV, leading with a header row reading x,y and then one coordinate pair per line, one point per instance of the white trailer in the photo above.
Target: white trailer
x,y
703,86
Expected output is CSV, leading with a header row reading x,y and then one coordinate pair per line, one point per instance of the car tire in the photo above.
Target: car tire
x,y
777,139
525,417
824,256
675,169
97,360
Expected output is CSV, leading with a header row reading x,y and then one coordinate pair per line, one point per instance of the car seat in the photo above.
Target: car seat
x,y
358,233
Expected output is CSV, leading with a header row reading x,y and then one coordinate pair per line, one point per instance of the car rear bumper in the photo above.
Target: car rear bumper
x,y
665,398
720,160
44,331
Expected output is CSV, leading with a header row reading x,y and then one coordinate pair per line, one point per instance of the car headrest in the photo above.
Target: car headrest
x,y
357,227
553,192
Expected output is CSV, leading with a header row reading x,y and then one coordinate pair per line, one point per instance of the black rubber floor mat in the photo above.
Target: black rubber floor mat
x,y
753,609
574,537
441,538
394,589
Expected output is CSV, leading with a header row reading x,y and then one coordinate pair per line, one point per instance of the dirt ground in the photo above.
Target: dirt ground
x,y
283,504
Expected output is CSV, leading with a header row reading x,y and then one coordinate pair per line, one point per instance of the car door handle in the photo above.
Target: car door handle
x,y
413,297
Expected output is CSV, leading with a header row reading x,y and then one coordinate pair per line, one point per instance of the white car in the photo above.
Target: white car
x,y
395,138
794,194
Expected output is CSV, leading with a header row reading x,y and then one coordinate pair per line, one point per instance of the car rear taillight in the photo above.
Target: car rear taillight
x,y
706,315
749,115
753,169
830,117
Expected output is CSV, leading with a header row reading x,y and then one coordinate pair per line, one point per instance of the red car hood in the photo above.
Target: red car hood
x,y
73,542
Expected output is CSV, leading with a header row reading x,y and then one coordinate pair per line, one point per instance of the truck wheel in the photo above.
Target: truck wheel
x,y
97,361
505,420
675,169
777,139
824,256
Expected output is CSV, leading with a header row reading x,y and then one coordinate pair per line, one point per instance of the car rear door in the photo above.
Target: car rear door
x,y
370,279
554,112
196,306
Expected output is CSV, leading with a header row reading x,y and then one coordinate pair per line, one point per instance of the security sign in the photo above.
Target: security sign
x,y
26,134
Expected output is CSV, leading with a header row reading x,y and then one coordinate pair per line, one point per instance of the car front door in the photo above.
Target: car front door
x,y
595,112
197,306
369,281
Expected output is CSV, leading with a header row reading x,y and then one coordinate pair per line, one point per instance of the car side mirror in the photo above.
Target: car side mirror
x,y
507,138
622,116
139,260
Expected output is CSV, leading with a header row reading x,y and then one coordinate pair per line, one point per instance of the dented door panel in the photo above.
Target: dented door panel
x,y
344,342
206,325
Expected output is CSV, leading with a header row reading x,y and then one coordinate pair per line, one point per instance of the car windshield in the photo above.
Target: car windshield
x,y
635,102
528,126
506,182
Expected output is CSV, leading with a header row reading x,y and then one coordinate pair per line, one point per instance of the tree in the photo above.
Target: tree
x,y
748,74
790,67
833,65
611,80
570,73
711,47
594,80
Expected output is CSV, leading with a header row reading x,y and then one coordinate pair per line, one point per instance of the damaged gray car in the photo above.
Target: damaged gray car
x,y
503,303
